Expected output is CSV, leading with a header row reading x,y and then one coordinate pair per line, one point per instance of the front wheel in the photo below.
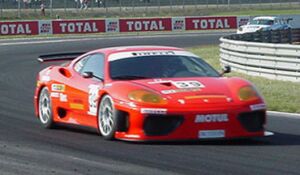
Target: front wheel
x,y
107,118
45,109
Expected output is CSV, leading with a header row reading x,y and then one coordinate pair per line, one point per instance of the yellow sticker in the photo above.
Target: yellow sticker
x,y
76,106
58,87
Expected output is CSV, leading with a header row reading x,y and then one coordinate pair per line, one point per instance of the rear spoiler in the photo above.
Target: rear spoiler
x,y
59,56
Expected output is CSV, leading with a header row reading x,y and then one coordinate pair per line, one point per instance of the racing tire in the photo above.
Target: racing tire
x,y
107,118
45,109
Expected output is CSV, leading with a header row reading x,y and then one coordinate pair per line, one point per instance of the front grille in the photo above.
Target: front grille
x,y
159,125
253,121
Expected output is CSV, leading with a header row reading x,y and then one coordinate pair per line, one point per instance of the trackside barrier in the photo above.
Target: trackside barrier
x,y
50,27
274,61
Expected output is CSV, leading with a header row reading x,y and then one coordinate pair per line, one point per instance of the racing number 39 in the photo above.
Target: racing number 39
x,y
93,98
187,84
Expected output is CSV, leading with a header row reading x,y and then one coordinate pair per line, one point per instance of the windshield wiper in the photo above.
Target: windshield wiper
x,y
129,77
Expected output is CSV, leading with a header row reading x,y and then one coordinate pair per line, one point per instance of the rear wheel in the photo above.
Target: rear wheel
x,y
45,109
107,118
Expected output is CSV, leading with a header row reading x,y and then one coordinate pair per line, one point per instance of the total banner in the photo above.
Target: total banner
x,y
78,26
19,28
211,23
145,24
115,25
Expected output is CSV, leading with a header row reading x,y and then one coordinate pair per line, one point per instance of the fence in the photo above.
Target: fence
x,y
274,61
20,8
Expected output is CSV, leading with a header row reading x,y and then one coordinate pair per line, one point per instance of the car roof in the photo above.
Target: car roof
x,y
265,17
112,50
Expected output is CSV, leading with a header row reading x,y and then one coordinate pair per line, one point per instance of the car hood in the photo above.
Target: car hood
x,y
253,28
190,90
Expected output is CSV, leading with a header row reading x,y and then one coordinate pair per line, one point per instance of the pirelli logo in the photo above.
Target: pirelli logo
x,y
211,118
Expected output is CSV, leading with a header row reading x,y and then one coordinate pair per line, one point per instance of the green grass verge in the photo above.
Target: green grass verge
x,y
279,95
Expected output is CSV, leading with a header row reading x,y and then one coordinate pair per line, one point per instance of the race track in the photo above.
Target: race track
x,y
27,148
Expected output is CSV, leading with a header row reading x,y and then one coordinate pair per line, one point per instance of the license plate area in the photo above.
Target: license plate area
x,y
206,134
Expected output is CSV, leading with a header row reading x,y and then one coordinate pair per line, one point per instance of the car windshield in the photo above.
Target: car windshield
x,y
162,66
262,22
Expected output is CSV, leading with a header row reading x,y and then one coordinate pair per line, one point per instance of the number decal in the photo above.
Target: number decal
x,y
93,99
187,84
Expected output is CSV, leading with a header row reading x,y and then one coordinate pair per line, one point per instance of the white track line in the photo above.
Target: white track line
x,y
89,38
283,114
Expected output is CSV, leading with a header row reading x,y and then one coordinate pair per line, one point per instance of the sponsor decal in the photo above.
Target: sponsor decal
x,y
256,107
242,20
187,84
210,23
205,96
153,111
78,26
76,106
45,78
112,25
58,87
45,27
205,134
151,53
93,99
211,118
63,97
142,25
54,94
174,91
19,28
178,24
127,55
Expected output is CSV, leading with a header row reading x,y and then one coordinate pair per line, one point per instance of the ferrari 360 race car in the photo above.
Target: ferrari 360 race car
x,y
144,93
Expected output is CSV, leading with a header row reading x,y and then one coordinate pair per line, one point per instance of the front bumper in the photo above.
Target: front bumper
x,y
181,124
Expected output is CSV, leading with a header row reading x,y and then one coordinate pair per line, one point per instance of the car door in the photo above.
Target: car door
x,y
84,99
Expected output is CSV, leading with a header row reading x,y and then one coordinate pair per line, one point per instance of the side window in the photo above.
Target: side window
x,y
79,65
95,64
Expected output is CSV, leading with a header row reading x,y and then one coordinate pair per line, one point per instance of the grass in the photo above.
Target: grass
x,y
279,95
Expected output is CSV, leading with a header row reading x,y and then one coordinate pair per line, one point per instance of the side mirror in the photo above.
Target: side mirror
x,y
87,74
91,75
226,69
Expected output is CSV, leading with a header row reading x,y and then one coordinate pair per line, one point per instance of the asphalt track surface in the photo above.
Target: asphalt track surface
x,y
26,148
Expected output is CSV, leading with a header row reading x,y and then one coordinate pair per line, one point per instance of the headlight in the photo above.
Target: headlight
x,y
248,93
145,96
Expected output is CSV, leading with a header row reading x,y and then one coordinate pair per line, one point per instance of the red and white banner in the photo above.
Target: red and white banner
x,y
145,24
116,25
211,23
19,28
78,26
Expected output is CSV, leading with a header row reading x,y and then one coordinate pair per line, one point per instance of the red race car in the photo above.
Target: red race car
x,y
145,93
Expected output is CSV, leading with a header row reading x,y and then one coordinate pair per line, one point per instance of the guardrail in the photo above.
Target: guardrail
x,y
273,61
270,36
